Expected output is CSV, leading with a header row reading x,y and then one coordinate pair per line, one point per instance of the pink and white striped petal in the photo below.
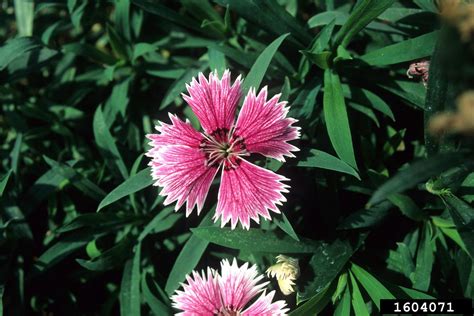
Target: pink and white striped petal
x,y
178,165
239,284
264,306
247,192
200,296
214,100
177,133
264,126
182,173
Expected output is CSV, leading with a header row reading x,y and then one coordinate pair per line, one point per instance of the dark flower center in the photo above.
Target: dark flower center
x,y
223,147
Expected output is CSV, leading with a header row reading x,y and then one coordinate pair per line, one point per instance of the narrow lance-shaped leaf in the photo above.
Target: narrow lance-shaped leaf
x,y
363,14
106,144
463,217
135,183
259,68
374,287
4,181
319,159
254,240
411,49
110,258
24,14
270,17
358,302
16,47
188,258
337,121
130,287
316,304
416,173
424,261
157,306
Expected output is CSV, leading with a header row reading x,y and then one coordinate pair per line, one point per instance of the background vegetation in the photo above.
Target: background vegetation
x,y
378,207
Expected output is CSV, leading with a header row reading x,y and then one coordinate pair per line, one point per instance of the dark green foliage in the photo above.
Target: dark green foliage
x,y
378,207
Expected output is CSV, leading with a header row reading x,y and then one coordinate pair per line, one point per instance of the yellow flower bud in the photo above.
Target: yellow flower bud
x,y
286,271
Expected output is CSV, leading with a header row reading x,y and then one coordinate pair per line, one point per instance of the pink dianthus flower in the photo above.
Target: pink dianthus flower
x,y
227,294
185,161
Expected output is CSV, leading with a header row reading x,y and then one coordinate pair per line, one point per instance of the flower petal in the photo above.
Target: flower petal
x,y
178,164
263,306
239,284
214,101
247,192
200,296
183,174
264,126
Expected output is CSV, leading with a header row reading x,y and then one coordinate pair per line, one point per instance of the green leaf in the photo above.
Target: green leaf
x,y
161,222
365,111
90,52
427,5
260,66
309,97
374,288
326,263
24,14
272,18
203,11
62,249
76,11
79,181
166,13
323,59
407,206
344,306
414,294
110,258
119,46
363,14
413,92
130,287
16,47
316,304
424,261
360,309
107,145
463,217
188,258
337,121
133,184
254,240
122,19
157,306
401,260
100,222
411,49
415,173
4,181
322,40
319,159
178,86
367,217
140,49
286,226
216,61
363,96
